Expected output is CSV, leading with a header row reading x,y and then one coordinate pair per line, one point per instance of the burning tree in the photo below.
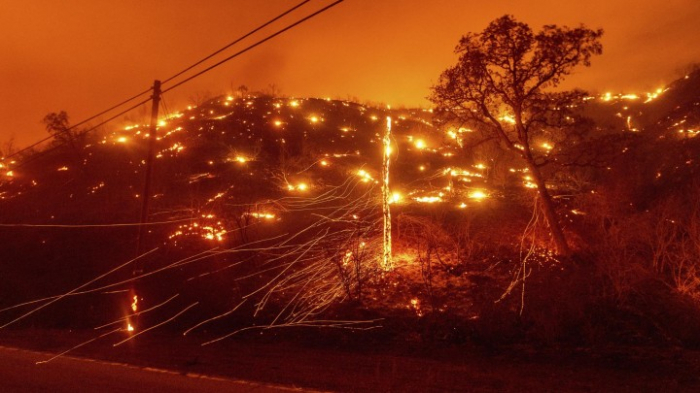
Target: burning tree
x,y
500,87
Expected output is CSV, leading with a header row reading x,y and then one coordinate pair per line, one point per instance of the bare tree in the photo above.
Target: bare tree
x,y
499,86
58,125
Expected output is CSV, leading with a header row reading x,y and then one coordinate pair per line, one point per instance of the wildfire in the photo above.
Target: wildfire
x,y
366,177
478,195
298,187
428,199
266,216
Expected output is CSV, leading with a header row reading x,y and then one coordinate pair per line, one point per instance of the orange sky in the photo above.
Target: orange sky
x,y
82,56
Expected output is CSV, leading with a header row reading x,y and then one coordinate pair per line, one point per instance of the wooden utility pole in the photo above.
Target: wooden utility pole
x,y
134,298
146,195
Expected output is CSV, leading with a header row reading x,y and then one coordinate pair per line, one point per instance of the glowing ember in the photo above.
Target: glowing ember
x,y
366,177
266,216
428,199
478,195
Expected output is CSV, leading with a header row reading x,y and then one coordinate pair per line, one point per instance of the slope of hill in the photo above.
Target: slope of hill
x,y
271,206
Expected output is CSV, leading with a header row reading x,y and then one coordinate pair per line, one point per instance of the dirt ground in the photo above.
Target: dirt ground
x,y
388,368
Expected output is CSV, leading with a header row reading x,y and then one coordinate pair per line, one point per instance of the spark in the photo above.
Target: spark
x,y
478,195
508,119
428,199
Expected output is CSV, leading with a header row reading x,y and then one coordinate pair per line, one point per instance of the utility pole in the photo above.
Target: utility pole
x,y
134,297
146,196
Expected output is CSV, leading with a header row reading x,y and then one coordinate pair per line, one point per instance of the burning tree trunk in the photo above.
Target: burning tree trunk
x,y
386,254
548,207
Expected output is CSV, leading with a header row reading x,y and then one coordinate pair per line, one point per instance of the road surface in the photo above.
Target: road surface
x,y
19,372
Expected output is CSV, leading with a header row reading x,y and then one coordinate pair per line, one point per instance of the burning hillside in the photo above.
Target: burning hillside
x,y
266,211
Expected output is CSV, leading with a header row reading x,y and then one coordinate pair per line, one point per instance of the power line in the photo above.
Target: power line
x,y
289,27
43,152
237,40
178,74
95,225
83,122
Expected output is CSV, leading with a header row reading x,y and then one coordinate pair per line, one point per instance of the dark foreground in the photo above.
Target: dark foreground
x,y
20,373
274,365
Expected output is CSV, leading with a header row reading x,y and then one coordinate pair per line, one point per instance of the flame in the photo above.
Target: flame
x,y
428,199
478,195
508,119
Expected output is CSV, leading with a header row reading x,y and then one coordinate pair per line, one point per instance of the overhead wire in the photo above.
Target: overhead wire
x,y
68,129
258,43
188,68
237,40
83,132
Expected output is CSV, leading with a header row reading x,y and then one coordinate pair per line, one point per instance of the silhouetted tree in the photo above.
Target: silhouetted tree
x,y
499,83
58,125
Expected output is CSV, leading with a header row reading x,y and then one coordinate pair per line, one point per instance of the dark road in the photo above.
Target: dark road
x,y
20,373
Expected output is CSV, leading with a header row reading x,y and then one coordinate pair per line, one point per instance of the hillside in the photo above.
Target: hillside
x,y
266,212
